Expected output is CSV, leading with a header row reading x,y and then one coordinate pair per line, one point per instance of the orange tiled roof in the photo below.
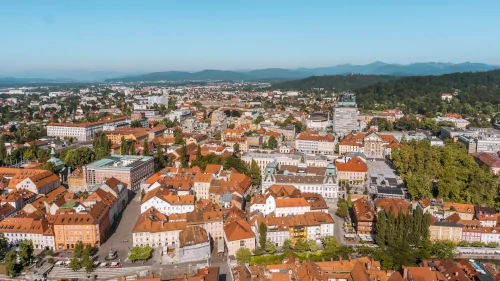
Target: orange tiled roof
x,y
238,230
356,164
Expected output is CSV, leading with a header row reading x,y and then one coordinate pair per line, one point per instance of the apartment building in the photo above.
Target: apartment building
x,y
40,232
209,216
89,227
202,185
263,159
353,171
238,234
156,229
445,230
132,170
364,217
311,226
83,131
167,203
372,144
34,180
312,142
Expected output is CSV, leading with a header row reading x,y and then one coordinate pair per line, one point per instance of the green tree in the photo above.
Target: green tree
x,y
262,235
143,193
11,265
243,255
29,154
236,148
178,139
26,252
3,243
131,148
255,173
74,264
272,142
145,149
140,253
492,245
300,245
330,244
198,152
123,146
184,157
135,124
258,120
342,209
49,166
381,228
287,245
87,264
312,245
217,136
78,250
270,247
3,150
444,250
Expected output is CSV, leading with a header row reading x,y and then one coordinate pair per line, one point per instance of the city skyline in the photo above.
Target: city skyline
x,y
128,37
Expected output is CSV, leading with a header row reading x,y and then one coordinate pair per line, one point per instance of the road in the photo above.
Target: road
x,y
123,232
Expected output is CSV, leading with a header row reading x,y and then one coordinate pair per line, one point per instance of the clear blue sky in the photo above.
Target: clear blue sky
x,y
138,36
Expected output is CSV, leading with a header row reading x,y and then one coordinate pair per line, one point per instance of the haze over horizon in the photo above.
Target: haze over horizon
x,y
140,37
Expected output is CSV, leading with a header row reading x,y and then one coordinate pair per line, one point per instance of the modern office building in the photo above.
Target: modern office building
x,y
345,114
129,169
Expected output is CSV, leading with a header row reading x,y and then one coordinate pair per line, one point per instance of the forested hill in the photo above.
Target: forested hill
x,y
337,82
478,93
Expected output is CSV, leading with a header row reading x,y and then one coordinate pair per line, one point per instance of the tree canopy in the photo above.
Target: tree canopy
x,y
446,172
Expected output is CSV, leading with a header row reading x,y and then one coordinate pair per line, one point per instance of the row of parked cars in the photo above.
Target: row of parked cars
x,y
96,264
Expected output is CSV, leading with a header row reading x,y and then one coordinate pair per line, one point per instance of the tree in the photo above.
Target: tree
x,y
26,252
74,264
49,166
270,247
140,253
50,260
145,149
123,146
198,152
217,136
184,157
492,245
131,148
11,265
330,244
78,250
381,228
236,148
178,139
300,245
258,120
287,245
3,243
135,124
312,245
3,150
143,193
444,250
255,173
243,255
342,209
29,154
272,142
87,264
262,235
463,243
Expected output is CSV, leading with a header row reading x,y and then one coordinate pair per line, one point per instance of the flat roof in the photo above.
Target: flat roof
x,y
121,162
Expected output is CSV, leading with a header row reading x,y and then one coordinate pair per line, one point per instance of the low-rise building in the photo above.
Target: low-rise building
x,y
238,234
353,171
312,142
167,203
444,230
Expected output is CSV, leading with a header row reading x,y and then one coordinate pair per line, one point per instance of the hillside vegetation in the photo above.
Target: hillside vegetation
x,y
337,82
477,94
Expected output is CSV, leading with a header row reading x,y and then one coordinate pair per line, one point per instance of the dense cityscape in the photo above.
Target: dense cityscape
x,y
249,140
243,181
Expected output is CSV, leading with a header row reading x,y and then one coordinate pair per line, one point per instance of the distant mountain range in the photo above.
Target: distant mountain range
x,y
375,68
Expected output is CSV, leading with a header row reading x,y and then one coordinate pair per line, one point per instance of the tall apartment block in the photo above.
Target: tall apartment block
x,y
345,114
